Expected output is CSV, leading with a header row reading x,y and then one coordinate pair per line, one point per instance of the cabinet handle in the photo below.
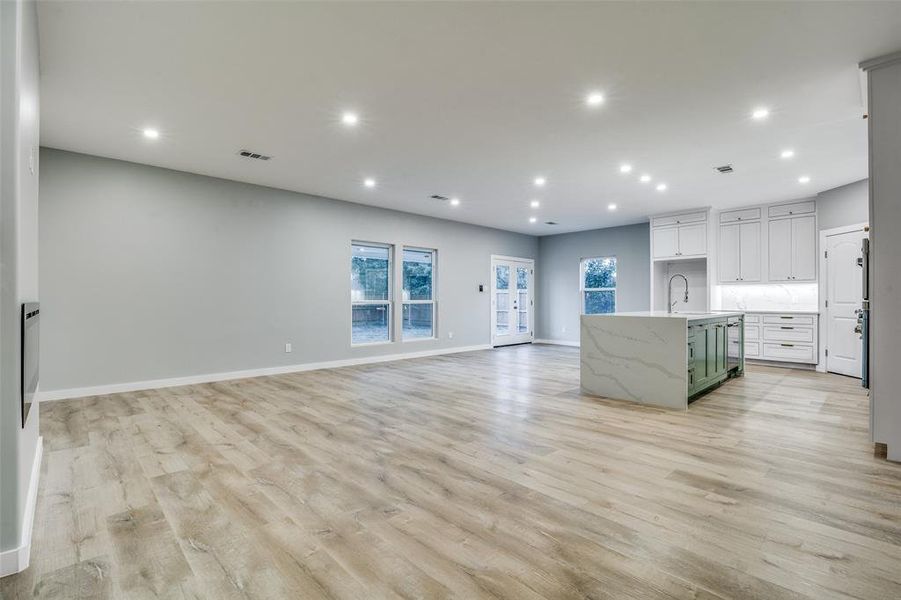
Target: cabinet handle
x,y
784,327
786,317
788,345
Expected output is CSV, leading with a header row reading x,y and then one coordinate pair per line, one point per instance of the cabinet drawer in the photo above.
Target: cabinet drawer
x,y
788,352
677,219
752,319
788,319
787,333
796,208
732,216
752,349
752,332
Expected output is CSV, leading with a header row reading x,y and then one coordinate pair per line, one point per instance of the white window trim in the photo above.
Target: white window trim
x,y
389,303
433,301
583,289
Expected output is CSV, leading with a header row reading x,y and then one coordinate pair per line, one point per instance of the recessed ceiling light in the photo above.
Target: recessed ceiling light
x,y
151,133
644,178
661,187
594,99
369,182
611,206
626,168
533,219
804,179
787,153
350,119
540,181
760,113
534,203
455,201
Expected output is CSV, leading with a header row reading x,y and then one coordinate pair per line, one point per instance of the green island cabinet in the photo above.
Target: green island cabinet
x,y
708,348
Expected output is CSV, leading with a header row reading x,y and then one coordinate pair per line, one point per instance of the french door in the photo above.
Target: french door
x,y
512,300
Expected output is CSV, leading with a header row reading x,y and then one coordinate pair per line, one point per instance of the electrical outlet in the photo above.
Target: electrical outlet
x,y
288,348
450,335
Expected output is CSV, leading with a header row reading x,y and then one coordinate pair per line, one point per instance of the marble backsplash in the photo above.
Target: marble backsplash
x,y
789,296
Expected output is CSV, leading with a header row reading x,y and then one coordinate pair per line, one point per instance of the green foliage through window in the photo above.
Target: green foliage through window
x,y
599,285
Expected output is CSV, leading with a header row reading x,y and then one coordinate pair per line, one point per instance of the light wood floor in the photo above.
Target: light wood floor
x,y
479,475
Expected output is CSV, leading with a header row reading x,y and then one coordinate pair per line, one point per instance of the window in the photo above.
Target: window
x,y
598,285
418,294
370,293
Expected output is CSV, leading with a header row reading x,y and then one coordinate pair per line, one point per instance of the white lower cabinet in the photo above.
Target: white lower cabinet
x,y
783,337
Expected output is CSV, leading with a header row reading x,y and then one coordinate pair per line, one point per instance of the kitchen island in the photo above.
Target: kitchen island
x,y
659,358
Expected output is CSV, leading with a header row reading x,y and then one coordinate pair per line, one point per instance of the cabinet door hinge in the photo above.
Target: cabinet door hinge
x,y
825,254
827,304
827,351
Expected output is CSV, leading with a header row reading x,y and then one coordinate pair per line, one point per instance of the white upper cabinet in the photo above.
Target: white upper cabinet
x,y
677,236
666,242
739,256
804,248
693,239
729,258
780,250
751,259
793,249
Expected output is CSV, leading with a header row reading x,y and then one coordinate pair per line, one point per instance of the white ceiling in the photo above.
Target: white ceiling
x,y
474,99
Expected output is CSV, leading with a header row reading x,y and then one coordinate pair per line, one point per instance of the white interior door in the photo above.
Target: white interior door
x,y
844,296
512,301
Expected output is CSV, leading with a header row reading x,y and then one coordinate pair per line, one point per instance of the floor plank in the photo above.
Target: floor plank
x,y
478,475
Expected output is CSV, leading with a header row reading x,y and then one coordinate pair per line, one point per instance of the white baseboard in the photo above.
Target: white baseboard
x,y
134,386
558,342
16,560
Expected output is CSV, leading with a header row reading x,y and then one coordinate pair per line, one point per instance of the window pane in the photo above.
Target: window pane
x,y
370,323
418,321
600,273
522,278
502,273
523,321
417,275
503,300
369,273
600,302
502,325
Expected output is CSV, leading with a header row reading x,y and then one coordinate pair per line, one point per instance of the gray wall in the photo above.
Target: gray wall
x,y
19,127
885,253
149,273
845,205
559,301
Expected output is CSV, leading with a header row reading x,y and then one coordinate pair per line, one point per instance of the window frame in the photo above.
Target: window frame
x,y
389,303
583,290
433,301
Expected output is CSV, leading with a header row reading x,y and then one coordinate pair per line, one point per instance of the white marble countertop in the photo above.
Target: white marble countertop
x,y
688,316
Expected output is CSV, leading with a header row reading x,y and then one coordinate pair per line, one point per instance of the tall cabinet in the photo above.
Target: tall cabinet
x,y
783,237
793,242
679,245
740,257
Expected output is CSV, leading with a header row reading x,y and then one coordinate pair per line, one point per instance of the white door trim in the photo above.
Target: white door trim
x,y
491,282
823,291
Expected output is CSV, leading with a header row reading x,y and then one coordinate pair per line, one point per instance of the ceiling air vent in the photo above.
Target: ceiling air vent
x,y
251,154
724,169
437,197
550,222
